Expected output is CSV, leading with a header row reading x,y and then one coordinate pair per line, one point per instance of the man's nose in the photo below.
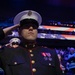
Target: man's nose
x,y
30,28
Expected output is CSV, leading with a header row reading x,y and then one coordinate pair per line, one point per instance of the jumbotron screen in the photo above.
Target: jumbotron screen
x,y
56,32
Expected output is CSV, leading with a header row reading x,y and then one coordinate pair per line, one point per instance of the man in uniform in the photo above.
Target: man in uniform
x,y
29,58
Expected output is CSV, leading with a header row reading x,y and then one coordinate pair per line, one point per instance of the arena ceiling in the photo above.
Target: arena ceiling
x,y
60,10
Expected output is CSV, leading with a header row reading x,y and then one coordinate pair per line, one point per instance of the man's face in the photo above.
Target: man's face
x,y
29,33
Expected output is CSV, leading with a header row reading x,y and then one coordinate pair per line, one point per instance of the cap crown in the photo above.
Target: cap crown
x,y
28,14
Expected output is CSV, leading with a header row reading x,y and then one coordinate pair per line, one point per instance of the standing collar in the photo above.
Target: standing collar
x,y
29,44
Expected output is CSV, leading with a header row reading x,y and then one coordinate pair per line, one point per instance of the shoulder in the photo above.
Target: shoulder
x,y
8,49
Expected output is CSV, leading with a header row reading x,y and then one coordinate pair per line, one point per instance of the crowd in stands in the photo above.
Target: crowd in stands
x,y
67,60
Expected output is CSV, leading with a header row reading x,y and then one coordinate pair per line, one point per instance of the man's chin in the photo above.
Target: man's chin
x,y
31,39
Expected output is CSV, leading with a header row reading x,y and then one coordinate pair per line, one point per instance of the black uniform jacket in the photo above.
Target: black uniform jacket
x,y
2,35
35,61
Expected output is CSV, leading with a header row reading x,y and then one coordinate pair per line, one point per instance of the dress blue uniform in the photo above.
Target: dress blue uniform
x,y
29,60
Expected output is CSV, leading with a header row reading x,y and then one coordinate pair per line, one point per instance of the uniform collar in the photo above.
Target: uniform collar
x,y
29,44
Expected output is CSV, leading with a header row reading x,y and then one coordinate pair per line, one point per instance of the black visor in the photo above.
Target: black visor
x,y
15,43
26,23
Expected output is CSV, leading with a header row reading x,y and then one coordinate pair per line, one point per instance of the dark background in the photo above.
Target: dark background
x,y
59,10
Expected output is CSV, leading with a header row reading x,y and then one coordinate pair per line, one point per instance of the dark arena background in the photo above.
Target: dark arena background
x,y
57,30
